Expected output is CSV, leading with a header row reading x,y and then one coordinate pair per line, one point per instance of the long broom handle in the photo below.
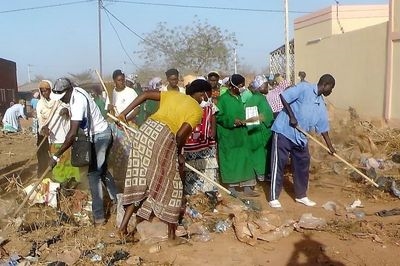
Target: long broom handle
x,y
31,192
337,156
186,164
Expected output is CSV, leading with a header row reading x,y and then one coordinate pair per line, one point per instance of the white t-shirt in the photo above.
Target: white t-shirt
x,y
79,111
121,99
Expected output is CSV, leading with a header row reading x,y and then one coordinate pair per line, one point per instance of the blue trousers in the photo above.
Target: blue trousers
x,y
98,174
281,148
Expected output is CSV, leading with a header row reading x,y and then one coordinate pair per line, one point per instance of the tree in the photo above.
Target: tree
x,y
196,48
82,77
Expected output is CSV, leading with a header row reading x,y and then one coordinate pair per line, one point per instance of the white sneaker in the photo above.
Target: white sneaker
x,y
275,204
306,201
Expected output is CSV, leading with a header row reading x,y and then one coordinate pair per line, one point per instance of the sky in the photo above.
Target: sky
x,y
55,41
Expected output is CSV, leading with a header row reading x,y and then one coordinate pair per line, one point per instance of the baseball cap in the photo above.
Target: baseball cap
x,y
60,88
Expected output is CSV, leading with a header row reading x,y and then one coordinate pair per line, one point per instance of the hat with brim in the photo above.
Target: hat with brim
x,y
60,88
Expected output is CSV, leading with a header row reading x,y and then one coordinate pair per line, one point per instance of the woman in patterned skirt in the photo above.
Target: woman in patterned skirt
x,y
153,181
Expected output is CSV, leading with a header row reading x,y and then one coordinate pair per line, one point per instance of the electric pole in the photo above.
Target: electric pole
x,y
29,73
288,72
100,3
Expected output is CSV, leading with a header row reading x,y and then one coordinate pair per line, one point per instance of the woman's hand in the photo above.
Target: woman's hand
x,y
239,123
181,166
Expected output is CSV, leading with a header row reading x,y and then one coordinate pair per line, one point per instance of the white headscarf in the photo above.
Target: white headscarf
x,y
46,108
153,83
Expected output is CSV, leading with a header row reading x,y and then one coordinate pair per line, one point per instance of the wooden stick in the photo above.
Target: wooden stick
x,y
207,178
32,190
337,156
103,85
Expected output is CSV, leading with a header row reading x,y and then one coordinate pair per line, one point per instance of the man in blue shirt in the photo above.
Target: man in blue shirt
x,y
304,107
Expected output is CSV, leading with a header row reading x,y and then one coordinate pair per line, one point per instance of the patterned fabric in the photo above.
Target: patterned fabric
x,y
119,153
273,96
152,173
206,162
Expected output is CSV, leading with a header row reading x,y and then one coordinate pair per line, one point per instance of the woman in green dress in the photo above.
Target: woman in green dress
x,y
233,146
259,132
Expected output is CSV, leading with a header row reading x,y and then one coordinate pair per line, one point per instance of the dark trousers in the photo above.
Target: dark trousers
x,y
281,148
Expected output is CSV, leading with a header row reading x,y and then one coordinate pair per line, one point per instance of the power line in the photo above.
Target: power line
x,y
120,41
41,7
208,7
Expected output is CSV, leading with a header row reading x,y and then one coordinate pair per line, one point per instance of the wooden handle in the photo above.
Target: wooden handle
x,y
337,156
32,190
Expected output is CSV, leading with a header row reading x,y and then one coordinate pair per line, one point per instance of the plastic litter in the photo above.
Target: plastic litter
x,y
330,206
96,258
308,221
193,213
223,225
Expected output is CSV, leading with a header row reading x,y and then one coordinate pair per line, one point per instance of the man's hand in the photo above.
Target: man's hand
x,y
122,118
293,122
64,112
53,161
45,131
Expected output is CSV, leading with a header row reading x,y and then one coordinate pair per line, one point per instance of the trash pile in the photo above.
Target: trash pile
x,y
369,146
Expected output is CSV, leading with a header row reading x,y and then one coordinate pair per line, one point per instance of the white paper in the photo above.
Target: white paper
x,y
250,113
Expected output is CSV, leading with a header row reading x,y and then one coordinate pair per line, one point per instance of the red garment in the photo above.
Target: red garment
x,y
273,96
200,137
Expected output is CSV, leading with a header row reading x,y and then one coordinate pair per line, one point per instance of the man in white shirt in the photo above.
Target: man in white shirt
x,y
122,96
84,111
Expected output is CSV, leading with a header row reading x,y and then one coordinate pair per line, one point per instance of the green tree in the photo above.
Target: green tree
x,y
197,48
82,77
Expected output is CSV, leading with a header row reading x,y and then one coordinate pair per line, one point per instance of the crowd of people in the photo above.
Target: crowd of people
x,y
237,133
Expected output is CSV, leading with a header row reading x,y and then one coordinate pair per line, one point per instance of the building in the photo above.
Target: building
x,y
360,46
8,83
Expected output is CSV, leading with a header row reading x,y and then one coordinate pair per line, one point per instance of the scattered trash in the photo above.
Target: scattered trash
x,y
396,157
117,256
359,215
278,233
100,246
96,258
223,225
330,206
392,212
395,190
308,221
356,204
192,213
46,193
199,232
57,263
154,249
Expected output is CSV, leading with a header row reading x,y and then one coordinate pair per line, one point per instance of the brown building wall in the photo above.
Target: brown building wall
x,y
8,83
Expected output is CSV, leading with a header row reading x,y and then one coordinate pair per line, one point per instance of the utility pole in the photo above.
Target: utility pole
x,y
29,73
100,3
288,73
235,58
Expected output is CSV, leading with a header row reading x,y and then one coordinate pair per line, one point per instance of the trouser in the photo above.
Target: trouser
x,y
98,174
281,148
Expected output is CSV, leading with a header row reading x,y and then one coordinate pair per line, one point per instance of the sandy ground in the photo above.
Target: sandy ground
x,y
345,241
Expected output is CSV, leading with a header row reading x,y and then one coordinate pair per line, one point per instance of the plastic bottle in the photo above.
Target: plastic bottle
x,y
193,213
203,235
223,225
278,233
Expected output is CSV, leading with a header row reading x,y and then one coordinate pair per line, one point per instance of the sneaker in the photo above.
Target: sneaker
x,y
306,201
275,204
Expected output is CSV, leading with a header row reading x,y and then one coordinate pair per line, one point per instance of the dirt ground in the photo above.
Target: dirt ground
x,y
346,240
